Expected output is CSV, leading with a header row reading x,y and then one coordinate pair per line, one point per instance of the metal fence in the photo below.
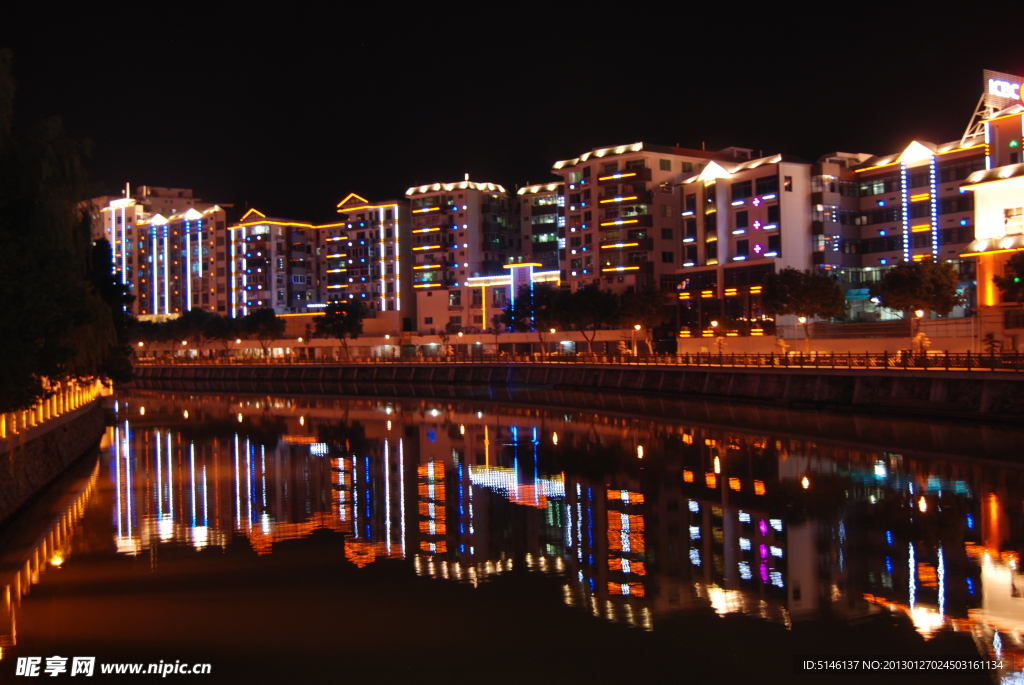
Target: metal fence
x,y
1011,362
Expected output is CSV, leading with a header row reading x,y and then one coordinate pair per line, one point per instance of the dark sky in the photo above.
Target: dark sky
x,y
289,112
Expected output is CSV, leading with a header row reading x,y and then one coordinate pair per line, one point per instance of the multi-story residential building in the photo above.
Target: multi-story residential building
x,y
740,222
622,215
164,244
459,230
540,221
274,264
367,256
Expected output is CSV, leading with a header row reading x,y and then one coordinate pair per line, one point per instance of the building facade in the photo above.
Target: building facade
x,y
458,231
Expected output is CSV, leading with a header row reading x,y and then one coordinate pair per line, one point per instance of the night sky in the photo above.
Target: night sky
x,y
289,113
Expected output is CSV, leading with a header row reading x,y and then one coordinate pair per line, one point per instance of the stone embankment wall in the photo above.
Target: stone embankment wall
x,y
992,396
32,458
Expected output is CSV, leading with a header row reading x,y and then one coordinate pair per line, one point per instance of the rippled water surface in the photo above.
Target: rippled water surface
x,y
281,538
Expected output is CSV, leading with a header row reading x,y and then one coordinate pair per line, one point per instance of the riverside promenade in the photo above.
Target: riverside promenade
x,y
962,386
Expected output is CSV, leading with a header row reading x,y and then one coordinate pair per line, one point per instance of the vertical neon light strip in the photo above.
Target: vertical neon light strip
x,y
988,149
905,211
933,179
117,477
159,485
912,588
401,488
154,308
124,257
942,583
167,275
238,489
397,259
387,497
231,269
383,285
192,479
188,268
245,280
170,485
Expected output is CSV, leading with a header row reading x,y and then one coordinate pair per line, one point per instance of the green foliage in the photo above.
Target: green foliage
x,y
1012,284
265,326
57,325
802,293
586,310
342,320
646,307
533,308
924,285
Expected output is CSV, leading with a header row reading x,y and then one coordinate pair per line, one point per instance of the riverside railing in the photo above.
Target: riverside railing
x,y
900,361
67,398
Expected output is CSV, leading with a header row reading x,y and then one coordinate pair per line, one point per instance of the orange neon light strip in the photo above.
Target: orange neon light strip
x,y
919,229
619,246
425,209
427,285
427,230
608,178
621,268
617,199
619,222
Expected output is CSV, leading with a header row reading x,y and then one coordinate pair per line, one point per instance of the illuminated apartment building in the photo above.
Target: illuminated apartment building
x,y
540,211
164,244
998,190
622,215
740,221
367,256
459,230
274,264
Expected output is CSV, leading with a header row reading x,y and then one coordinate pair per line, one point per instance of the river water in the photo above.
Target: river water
x,y
291,537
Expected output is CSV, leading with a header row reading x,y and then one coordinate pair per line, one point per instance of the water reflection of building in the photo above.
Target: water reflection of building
x,y
643,519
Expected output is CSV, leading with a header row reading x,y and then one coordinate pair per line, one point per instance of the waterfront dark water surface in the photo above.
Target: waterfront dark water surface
x,y
286,538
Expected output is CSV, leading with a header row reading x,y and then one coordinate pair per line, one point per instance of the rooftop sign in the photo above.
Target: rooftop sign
x,y
1001,90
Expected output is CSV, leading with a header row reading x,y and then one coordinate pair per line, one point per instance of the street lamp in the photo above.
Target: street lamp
x,y
635,329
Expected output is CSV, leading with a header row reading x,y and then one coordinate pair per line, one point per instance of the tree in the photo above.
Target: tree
x,y
56,325
224,329
532,309
197,325
919,286
586,310
1011,285
265,326
342,320
645,307
802,293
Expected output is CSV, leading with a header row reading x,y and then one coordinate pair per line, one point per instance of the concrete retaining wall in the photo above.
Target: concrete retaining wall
x,y
961,394
31,460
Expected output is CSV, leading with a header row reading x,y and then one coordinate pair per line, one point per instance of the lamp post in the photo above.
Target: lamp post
x,y
635,329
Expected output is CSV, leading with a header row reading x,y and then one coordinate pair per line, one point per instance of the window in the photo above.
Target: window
x,y
666,164
742,248
787,183
668,257
455,298
742,220
1013,220
773,214
455,320
666,210
712,252
428,320
666,234
691,229
775,244
691,203
742,190
687,167
767,185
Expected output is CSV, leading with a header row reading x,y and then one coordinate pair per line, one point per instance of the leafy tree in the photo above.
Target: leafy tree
x,y
224,329
802,293
56,325
1011,285
646,307
196,325
265,326
924,285
342,320
117,362
147,333
586,310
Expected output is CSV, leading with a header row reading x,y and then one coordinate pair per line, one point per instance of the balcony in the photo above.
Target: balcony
x,y
624,176
637,221
641,197
639,245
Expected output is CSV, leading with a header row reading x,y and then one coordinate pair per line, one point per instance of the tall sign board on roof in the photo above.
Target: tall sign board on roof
x,y
1001,90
